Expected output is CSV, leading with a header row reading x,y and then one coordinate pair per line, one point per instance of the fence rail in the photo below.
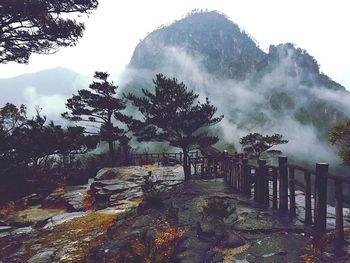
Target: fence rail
x,y
151,158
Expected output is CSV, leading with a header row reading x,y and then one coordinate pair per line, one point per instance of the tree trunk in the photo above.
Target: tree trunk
x,y
186,165
111,152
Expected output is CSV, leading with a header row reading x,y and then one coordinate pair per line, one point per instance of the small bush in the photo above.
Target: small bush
x,y
218,208
151,193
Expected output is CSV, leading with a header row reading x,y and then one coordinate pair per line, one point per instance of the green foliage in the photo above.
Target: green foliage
x,y
218,209
151,193
170,114
28,26
257,144
281,101
32,150
340,136
32,142
11,117
99,106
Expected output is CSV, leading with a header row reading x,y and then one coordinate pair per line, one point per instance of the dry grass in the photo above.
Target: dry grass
x,y
165,243
7,209
89,202
76,237
59,189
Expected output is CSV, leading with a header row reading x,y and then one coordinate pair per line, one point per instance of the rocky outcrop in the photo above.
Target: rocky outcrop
x,y
73,201
112,186
201,221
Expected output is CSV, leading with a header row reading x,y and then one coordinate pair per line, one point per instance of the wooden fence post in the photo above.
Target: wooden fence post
x,y
195,166
260,180
180,157
231,167
274,189
308,208
244,176
292,208
249,180
339,227
321,197
283,186
215,168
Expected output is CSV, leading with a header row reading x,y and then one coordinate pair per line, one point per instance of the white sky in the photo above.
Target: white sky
x,y
113,31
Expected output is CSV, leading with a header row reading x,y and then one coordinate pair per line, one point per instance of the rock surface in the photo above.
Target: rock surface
x,y
113,185
191,227
73,200
197,221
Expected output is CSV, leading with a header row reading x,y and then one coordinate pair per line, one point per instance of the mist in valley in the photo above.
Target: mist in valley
x,y
270,104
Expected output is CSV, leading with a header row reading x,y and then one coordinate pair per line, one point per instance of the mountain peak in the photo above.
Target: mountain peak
x,y
221,44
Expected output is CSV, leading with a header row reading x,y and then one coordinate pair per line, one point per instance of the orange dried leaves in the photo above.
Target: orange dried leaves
x,y
7,209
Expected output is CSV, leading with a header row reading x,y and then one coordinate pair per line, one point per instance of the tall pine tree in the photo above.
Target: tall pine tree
x,y
100,106
171,114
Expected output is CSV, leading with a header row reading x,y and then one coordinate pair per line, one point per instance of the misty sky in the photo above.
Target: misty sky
x,y
114,30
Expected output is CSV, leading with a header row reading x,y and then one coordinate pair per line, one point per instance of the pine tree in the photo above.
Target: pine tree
x,y
171,114
258,144
340,136
99,105
39,26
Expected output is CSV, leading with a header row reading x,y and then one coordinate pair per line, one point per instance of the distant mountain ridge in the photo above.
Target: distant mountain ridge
x,y
47,82
47,89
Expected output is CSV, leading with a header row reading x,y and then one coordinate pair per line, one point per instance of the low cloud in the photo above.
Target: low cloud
x,y
247,104
51,105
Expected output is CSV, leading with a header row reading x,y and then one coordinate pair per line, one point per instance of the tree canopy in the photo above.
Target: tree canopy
x,y
340,136
33,142
39,26
172,114
258,144
99,106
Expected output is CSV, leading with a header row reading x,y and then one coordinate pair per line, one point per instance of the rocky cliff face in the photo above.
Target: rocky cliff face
x,y
224,49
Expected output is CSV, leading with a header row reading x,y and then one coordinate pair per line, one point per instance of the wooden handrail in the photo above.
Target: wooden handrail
x,y
343,178
301,168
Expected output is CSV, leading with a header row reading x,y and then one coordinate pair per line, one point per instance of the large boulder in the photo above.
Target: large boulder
x,y
72,201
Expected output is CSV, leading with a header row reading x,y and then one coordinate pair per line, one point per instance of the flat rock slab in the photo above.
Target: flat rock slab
x,y
34,214
122,186
43,256
5,228
73,200
59,219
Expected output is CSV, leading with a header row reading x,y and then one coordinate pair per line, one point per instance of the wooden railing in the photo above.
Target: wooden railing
x,y
245,177
151,158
